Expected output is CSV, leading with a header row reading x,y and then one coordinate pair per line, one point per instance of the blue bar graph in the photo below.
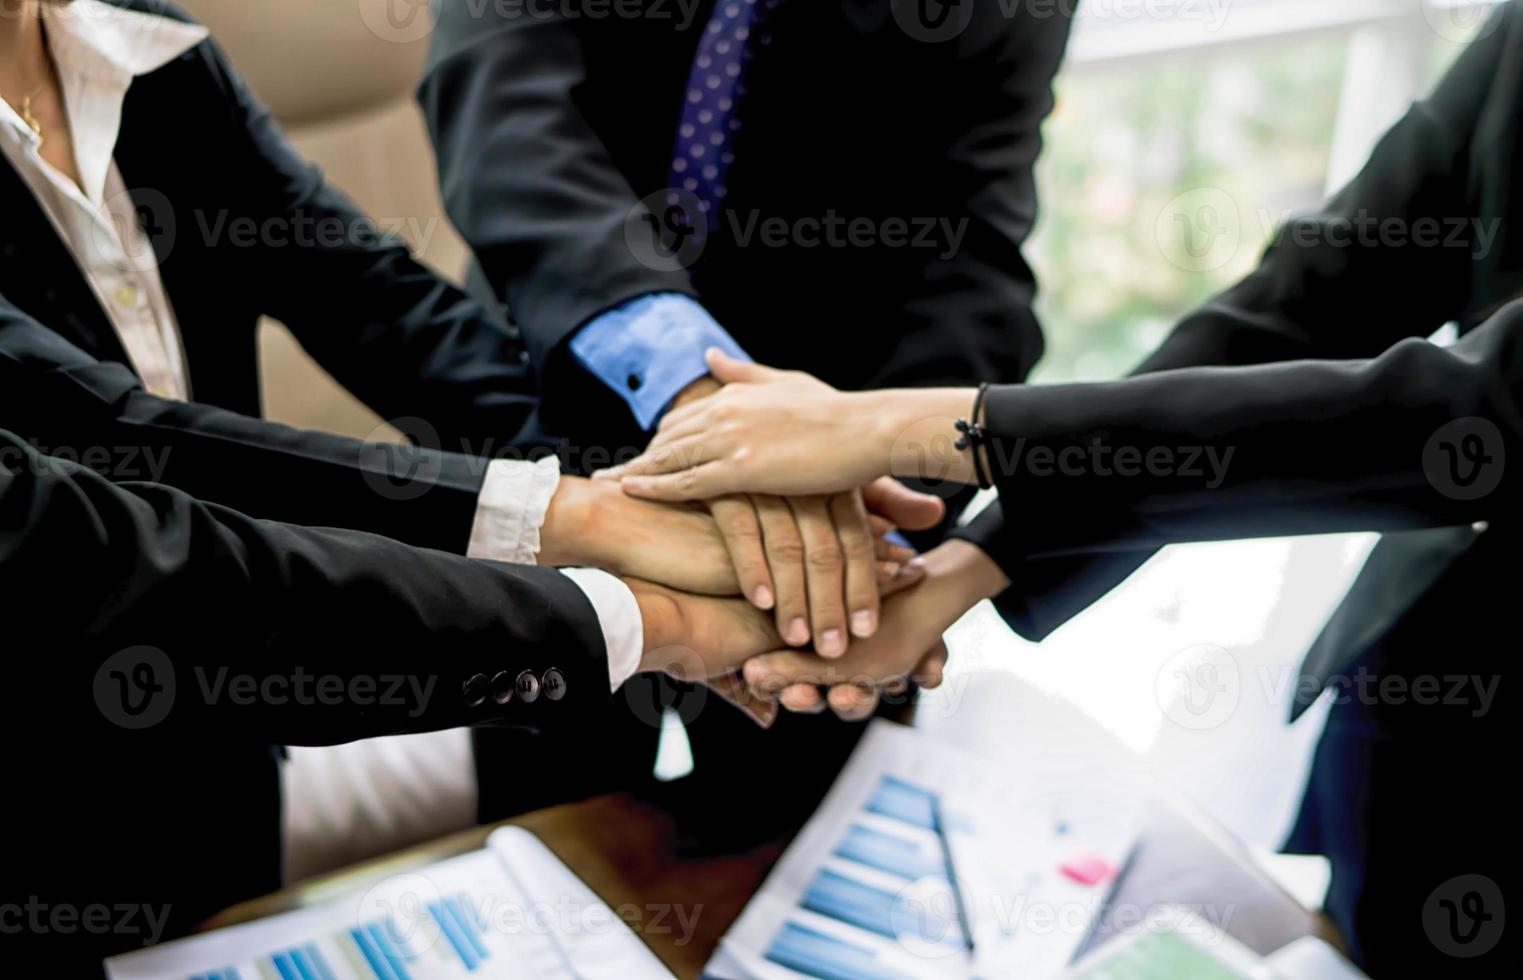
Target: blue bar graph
x,y
373,957
889,853
901,843
852,902
898,800
818,955
452,930
383,952
378,933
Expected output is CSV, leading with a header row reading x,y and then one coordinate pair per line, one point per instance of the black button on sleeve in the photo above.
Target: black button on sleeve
x,y
475,691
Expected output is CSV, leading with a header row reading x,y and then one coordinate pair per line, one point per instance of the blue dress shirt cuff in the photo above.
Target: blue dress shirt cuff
x,y
651,348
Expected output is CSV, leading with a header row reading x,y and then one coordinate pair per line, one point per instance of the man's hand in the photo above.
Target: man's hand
x,y
703,640
908,647
595,524
818,562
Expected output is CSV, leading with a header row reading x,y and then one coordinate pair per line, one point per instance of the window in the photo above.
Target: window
x,y
1178,145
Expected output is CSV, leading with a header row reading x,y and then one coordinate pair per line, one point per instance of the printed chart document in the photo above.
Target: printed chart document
x,y
927,861
511,910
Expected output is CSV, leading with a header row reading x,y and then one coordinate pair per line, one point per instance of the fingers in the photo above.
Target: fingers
x,y
771,674
789,671
902,506
701,483
741,528
910,574
803,699
859,551
785,557
891,553
672,456
853,702
732,689
730,371
824,569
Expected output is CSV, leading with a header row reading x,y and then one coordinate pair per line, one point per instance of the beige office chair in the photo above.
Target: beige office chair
x,y
339,75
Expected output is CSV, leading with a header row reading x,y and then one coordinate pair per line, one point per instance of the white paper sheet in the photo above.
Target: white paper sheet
x,y
864,891
509,911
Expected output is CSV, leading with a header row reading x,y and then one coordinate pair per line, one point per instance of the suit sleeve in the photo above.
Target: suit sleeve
x,y
405,341
965,312
1327,288
525,178
275,633
96,411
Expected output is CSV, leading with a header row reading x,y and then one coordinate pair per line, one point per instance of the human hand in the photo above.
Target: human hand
x,y
703,640
593,523
818,562
907,648
786,433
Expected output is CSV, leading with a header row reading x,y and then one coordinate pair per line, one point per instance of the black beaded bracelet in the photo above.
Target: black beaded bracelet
x,y
974,437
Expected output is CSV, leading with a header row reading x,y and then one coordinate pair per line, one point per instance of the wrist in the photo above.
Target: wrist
x,y
563,537
917,431
963,573
660,619
698,390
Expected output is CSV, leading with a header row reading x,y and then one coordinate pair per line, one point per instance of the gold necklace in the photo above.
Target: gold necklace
x,y
24,110
31,120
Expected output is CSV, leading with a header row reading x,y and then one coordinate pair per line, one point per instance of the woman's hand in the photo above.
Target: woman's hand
x,y
789,434
767,431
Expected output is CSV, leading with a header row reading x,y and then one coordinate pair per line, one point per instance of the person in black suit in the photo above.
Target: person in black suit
x,y
139,251
174,641
1304,400
839,187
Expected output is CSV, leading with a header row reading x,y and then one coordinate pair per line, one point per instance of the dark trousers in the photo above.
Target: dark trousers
x,y
1416,807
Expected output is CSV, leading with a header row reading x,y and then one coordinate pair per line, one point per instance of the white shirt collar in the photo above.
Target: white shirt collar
x,y
99,49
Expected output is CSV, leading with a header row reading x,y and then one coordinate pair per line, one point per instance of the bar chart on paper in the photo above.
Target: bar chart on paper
x,y
882,904
921,863
510,911
456,946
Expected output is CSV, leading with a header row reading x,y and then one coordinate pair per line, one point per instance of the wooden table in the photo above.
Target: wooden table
x,y
626,850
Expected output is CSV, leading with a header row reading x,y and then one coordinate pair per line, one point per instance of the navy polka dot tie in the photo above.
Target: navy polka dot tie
x,y
716,85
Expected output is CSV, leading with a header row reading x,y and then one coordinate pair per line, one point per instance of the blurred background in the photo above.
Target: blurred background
x,y
1185,132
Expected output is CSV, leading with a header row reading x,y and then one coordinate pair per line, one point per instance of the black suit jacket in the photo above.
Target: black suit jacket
x,y
551,129
1330,402
243,228
159,645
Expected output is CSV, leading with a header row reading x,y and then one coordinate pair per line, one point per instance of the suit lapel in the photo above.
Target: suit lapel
x,y
41,276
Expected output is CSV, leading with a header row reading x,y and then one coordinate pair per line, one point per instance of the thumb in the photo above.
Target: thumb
x,y
731,371
902,506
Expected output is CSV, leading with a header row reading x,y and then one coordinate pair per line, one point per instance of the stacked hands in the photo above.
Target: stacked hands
x,y
774,486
